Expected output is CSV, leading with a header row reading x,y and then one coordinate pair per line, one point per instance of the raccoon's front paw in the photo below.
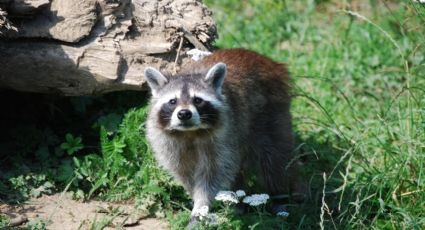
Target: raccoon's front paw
x,y
192,222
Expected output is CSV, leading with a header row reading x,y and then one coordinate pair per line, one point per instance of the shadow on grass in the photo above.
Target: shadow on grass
x,y
33,128
321,167
318,158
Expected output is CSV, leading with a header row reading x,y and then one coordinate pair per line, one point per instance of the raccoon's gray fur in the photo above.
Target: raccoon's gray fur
x,y
221,118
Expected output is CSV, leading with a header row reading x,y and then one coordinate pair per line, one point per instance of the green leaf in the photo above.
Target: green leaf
x,y
152,188
68,137
76,162
64,146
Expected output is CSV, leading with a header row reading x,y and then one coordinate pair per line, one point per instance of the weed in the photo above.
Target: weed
x,y
36,224
72,144
4,221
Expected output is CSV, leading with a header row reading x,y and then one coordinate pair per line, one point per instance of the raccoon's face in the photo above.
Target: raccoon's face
x,y
185,103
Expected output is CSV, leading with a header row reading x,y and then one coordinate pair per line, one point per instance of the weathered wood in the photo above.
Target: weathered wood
x,y
84,47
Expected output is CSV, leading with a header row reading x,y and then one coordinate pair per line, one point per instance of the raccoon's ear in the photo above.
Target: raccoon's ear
x,y
155,79
216,75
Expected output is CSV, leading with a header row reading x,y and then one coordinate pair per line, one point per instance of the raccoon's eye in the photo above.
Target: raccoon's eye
x,y
172,101
197,100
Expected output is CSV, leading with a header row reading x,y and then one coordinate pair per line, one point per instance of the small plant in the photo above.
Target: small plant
x,y
72,144
36,224
4,221
32,185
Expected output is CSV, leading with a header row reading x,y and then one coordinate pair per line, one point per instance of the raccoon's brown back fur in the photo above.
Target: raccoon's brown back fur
x,y
249,72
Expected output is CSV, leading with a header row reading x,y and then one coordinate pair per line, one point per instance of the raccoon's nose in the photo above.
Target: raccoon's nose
x,y
184,114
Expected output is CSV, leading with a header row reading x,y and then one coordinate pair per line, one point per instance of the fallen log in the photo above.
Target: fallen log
x,y
86,47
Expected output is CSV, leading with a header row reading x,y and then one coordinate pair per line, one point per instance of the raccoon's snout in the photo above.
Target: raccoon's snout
x,y
184,114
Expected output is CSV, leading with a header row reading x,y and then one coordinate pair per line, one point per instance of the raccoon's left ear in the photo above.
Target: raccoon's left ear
x,y
216,75
155,79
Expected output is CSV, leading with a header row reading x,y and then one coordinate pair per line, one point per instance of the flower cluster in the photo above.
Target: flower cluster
x,y
252,200
256,199
233,197
203,215
282,214
201,212
240,193
227,196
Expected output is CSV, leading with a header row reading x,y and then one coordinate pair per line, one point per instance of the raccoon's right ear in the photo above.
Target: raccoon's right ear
x,y
155,79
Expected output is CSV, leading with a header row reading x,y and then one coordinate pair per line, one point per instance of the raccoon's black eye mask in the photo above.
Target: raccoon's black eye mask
x,y
197,100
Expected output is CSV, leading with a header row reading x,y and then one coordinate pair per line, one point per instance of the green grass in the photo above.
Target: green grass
x,y
358,70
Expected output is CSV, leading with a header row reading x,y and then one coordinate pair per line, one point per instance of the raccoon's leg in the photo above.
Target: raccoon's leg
x,y
207,184
272,164
274,146
214,172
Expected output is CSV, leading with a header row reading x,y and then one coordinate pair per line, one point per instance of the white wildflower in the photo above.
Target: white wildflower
x,y
227,196
420,1
197,54
256,199
201,212
282,214
240,193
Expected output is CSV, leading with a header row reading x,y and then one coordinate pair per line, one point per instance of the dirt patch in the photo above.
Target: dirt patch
x,y
61,212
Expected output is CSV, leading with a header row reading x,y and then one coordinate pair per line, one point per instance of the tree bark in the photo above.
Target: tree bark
x,y
85,47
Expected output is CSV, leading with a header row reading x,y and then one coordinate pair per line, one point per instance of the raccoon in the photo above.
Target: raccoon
x,y
221,118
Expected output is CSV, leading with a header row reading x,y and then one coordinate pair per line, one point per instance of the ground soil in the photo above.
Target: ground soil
x,y
61,212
